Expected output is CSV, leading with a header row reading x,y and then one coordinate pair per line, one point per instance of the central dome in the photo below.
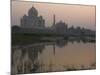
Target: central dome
x,y
32,12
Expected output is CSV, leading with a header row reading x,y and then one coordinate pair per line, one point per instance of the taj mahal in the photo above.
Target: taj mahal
x,y
32,20
34,23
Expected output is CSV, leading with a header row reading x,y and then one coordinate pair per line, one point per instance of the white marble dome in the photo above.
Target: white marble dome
x,y
32,12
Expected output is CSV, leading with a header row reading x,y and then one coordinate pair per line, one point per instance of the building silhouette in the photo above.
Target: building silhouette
x,y
32,20
60,27
54,20
34,23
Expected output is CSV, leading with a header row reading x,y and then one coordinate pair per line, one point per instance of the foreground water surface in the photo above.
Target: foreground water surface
x,y
53,56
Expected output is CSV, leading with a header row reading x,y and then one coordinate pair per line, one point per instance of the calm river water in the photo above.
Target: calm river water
x,y
53,56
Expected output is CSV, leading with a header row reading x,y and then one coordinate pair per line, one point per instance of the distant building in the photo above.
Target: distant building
x,y
32,20
60,27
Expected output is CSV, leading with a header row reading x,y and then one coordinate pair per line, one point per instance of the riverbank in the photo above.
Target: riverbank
x,y
19,38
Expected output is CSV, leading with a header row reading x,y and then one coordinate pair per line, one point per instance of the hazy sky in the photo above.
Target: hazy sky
x,y
76,15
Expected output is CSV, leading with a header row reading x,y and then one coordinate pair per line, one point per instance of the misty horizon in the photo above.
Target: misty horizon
x,y
74,15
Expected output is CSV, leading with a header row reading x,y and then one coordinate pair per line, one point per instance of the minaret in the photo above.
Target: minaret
x,y
54,20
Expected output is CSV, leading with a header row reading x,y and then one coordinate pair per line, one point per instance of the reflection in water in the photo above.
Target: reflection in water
x,y
54,49
61,43
24,58
53,56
